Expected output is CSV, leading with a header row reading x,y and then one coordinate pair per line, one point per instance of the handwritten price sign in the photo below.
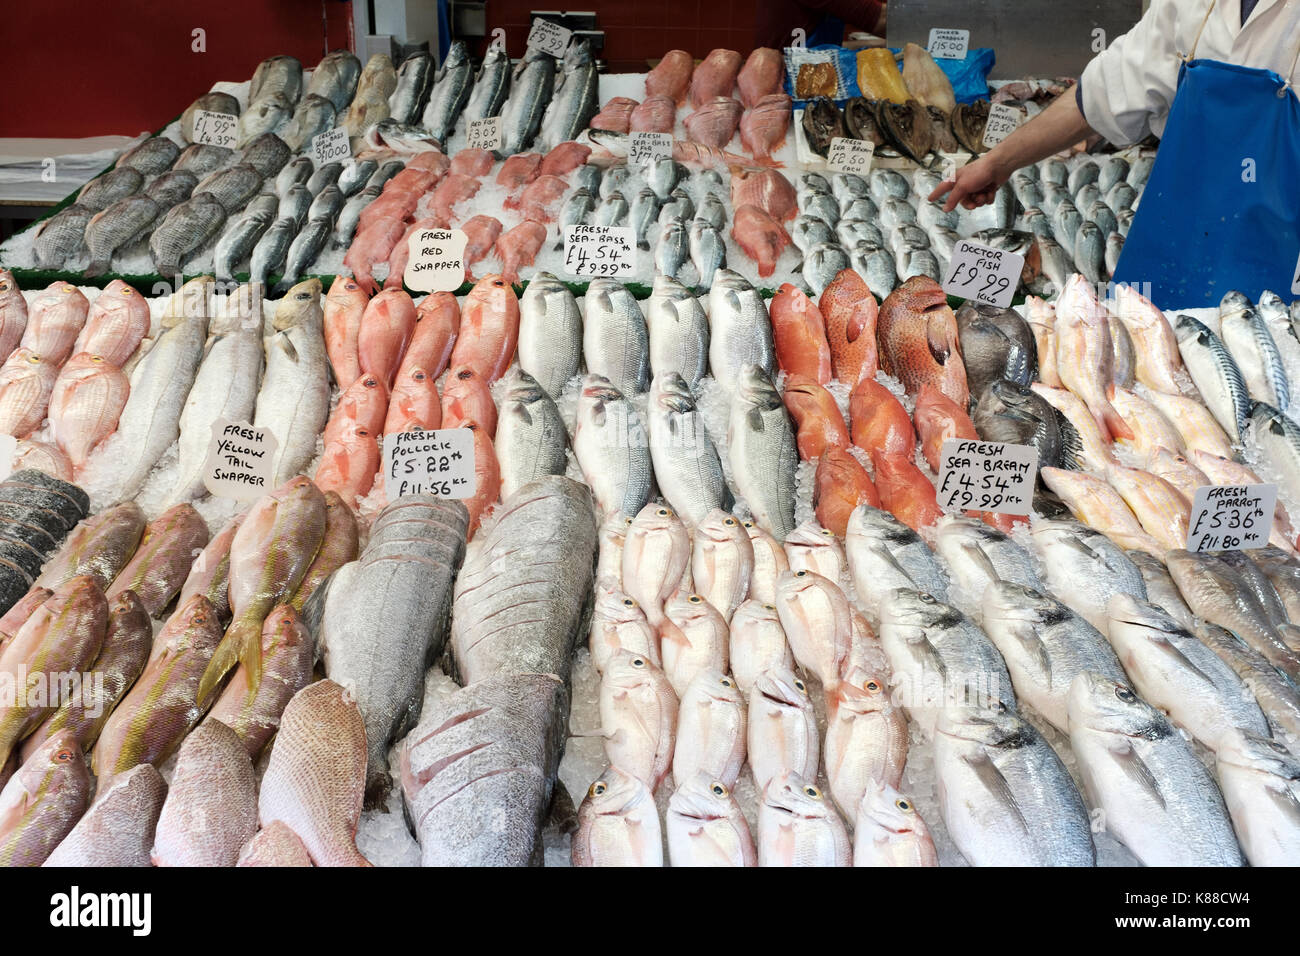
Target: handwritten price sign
x,y
646,149
599,251
548,37
484,133
439,463
850,155
948,44
1003,121
983,274
987,476
216,129
1231,517
331,146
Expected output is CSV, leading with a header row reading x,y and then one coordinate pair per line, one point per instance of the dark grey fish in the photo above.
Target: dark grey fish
x,y
450,93
238,241
172,188
1007,412
266,153
491,86
996,344
185,229
314,115
1104,217
270,252
530,94
822,122
201,159
674,248
62,237
1090,252
294,204
232,187
115,227
304,249
268,115
1125,219
103,191
384,173
213,102
327,175
276,75
356,173
491,751
522,590
327,205
155,155
335,78
1066,222
414,81
297,171
1114,248
577,207
351,213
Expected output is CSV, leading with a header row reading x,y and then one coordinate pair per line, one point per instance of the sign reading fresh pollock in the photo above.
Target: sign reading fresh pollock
x,y
240,460
439,463
1231,517
987,476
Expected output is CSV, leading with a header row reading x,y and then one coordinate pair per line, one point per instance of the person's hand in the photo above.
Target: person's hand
x,y
976,184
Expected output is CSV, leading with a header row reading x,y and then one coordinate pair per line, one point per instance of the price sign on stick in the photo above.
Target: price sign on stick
x,y
948,44
216,129
331,146
484,133
1231,517
1003,121
240,460
548,37
983,274
436,260
986,476
646,149
597,251
437,463
850,155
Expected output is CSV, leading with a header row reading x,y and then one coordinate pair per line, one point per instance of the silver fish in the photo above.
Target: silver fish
x,y
612,211
530,93
185,230
1215,374
1066,222
530,439
270,114
887,184
450,93
678,205
877,268
489,750
673,249
884,554
980,556
1260,780
849,186
820,205
294,204
663,177
1276,695
550,333
578,205
614,180
295,394
384,173
1085,569
1161,589
678,330
740,332
1249,342
1121,197
1085,197
324,177
612,448
314,115
272,249
575,100
1053,171
62,237
351,214
1005,796
822,263
355,175
1090,252
708,252
521,594
491,87
1145,778
712,211
335,78
304,249
615,341
1279,440
414,81
809,231
686,464
1045,645
643,213
1084,173
764,457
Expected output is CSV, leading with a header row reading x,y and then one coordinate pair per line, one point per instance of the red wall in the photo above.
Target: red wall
x,y
93,67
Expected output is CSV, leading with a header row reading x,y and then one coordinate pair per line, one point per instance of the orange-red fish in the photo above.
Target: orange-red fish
x,y
765,188
472,162
26,381
878,421
519,247
349,464
43,456
905,491
615,116
362,405
715,76
937,419
489,328
563,159
401,253
467,400
518,169
344,306
415,402
481,233
714,121
372,245
456,188
386,328
917,333
850,312
437,319
817,417
799,333
840,486
760,236
655,114
487,479
671,76
539,201
54,320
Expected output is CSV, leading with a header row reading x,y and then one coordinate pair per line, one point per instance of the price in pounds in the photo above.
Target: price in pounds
x,y
548,37
331,146
1231,517
646,149
484,133
600,251
1003,121
439,463
983,274
216,129
948,44
986,476
850,155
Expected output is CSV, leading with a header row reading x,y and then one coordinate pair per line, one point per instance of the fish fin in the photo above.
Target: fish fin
x,y
1167,647
937,338
1130,762
242,644
285,344
1284,799
985,563
1072,453
988,774
1029,639
1113,421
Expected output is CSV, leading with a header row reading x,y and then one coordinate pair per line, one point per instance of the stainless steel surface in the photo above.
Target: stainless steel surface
x,y
1030,37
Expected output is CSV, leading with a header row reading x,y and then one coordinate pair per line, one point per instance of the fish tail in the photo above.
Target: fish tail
x,y
1115,424
241,645
97,267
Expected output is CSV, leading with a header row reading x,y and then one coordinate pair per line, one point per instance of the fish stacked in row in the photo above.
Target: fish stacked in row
x,y
64,366
36,514
180,692
479,770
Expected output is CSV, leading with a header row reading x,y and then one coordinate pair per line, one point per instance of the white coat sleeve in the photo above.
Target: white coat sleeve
x,y
1129,87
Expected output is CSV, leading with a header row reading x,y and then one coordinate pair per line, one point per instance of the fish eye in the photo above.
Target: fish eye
x,y
695,599
1278,748
370,382
871,686
1124,694
812,791
125,291
627,521
664,513
97,358
800,686
628,602
827,533
749,524
903,804
465,374
726,682
598,788
928,599
719,789
803,573
729,522
638,662
63,755
199,619
769,607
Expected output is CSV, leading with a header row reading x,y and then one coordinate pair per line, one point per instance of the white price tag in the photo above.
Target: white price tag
x,y
599,251
987,476
331,146
1003,121
850,155
948,44
548,37
8,447
983,274
240,460
436,261
646,149
484,133
951,163
437,463
216,129
1231,517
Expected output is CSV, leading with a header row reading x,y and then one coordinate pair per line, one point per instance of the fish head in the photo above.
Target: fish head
x,y
1263,755
755,388
1102,704
811,535
1011,603
860,692
670,394
684,609
879,525
780,688
713,687
617,606
1131,619
917,611
627,669
702,800
795,587
615,793
283,628
995,726
721,526
791,795
57,767
613,530
882,808
753,613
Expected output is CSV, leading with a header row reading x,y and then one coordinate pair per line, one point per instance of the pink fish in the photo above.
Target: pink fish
x,y
401,253
714,122
472,162
456,188
519,247
117,324
656,114
563,159
482,233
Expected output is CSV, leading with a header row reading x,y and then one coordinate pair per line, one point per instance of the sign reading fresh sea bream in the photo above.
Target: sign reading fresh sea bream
x,y
437,463
1231,517
850,155
987,476
239,462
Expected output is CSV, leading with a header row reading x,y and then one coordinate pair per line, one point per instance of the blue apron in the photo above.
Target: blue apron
x,y
1221,209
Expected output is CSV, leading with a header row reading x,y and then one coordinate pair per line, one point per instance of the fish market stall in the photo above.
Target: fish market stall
x,y
765,550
